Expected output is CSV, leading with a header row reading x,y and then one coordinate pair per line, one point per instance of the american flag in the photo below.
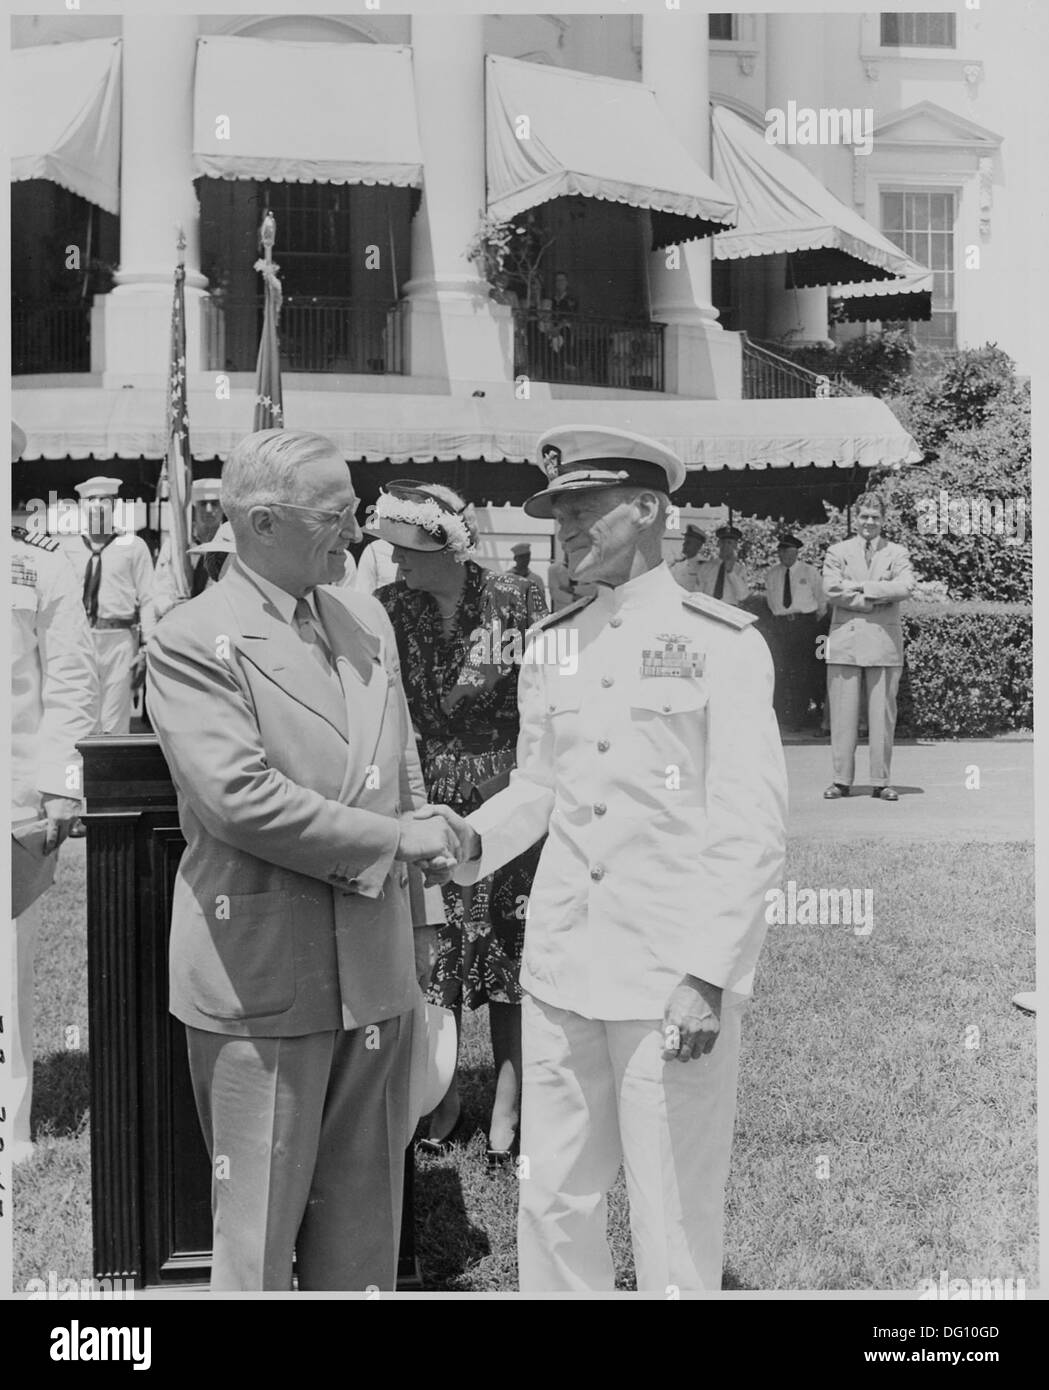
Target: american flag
x,y
178,466
269,401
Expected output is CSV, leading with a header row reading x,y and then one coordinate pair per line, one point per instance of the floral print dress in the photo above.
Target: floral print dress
x,y
479,947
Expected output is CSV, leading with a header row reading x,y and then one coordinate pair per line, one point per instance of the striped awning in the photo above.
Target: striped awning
x,y
64,113
836,432
555,133
907,298
783,208
305,112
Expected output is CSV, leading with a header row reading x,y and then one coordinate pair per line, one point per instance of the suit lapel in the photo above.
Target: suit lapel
x,y
276,649
365,685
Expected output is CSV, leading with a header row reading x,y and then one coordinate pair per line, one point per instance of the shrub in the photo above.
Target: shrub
x,y
990,461
968,671
951,391
874,365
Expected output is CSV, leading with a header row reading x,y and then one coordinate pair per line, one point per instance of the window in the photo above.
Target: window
x,y
722,27
915,30
922,225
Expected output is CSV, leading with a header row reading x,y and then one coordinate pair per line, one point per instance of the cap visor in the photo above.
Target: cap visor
x,y
540,504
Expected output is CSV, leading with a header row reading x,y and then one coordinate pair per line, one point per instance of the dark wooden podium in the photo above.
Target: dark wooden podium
x,y
150,1174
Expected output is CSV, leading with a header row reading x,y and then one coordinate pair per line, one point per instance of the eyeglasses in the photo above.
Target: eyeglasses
x,y
345,520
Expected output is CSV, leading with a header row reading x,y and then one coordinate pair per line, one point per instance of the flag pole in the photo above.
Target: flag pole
x,y
177,469
269,401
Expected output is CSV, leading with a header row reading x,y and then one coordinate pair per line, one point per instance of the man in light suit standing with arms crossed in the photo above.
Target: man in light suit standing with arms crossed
x,y
655,769
277,701
864,580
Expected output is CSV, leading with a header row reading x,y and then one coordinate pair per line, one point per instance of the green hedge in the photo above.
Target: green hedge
x,y
968,671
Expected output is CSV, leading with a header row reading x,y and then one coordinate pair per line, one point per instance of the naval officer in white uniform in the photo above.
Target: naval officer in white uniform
x,y
654,767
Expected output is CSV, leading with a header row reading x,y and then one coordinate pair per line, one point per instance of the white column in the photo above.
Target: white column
x,y
456,332
701,358
156,197
794,66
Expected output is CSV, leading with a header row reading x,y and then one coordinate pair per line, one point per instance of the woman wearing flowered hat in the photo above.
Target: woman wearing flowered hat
x,y
458,629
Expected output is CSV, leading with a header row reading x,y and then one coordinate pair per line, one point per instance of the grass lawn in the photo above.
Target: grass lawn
x,y
886,1124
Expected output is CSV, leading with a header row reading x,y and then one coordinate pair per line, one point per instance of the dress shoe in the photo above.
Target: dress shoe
x,y
886,793
503,1158
435,1148
835,791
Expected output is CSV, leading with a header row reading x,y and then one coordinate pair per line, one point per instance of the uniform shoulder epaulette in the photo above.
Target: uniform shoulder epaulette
x,y
37,538
561,614
714,608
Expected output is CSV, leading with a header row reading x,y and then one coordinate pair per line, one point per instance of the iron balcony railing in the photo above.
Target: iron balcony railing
x,y
588,350
51,338
768,377
317,334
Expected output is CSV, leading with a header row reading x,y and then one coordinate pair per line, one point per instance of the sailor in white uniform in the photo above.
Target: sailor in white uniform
x,y
655,769
116,572
54,704
206,500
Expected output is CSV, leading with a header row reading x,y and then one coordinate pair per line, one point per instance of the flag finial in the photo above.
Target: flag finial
x,y
180,243
268,234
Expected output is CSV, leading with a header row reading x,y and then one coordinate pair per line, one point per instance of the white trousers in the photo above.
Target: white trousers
x,y
18,1043
114,652
598,1094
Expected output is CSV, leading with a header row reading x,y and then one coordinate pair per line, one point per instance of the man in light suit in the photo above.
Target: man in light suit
x,y
655,769
277,701
864,580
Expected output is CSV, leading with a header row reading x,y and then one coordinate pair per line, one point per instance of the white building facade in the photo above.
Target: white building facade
x,y
393,341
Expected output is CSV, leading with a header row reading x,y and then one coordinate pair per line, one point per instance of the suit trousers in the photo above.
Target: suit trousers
x,y
597,1094
114,653
19,1025
798,669
306,1137
843,692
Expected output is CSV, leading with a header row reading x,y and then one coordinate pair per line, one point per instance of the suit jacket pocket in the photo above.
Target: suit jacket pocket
x,y
243,965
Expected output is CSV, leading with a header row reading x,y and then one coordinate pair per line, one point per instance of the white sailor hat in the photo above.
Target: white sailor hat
x,y
18,442
222,542
586,457
98,487
205,490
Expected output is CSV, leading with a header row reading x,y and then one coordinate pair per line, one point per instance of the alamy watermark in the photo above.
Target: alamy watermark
x,y
974,1289
72,516
53,1288
825,125
821,907
969,514
557,646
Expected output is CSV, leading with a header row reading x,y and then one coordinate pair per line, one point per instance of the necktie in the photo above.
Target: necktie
x,y
719,584
869,551
93,579
309,630
787,595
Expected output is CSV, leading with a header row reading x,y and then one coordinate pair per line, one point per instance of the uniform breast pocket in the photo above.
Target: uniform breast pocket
x,y
667,699
24,598
562,709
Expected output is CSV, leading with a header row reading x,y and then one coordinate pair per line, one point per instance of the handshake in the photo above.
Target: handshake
x,y
437,840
